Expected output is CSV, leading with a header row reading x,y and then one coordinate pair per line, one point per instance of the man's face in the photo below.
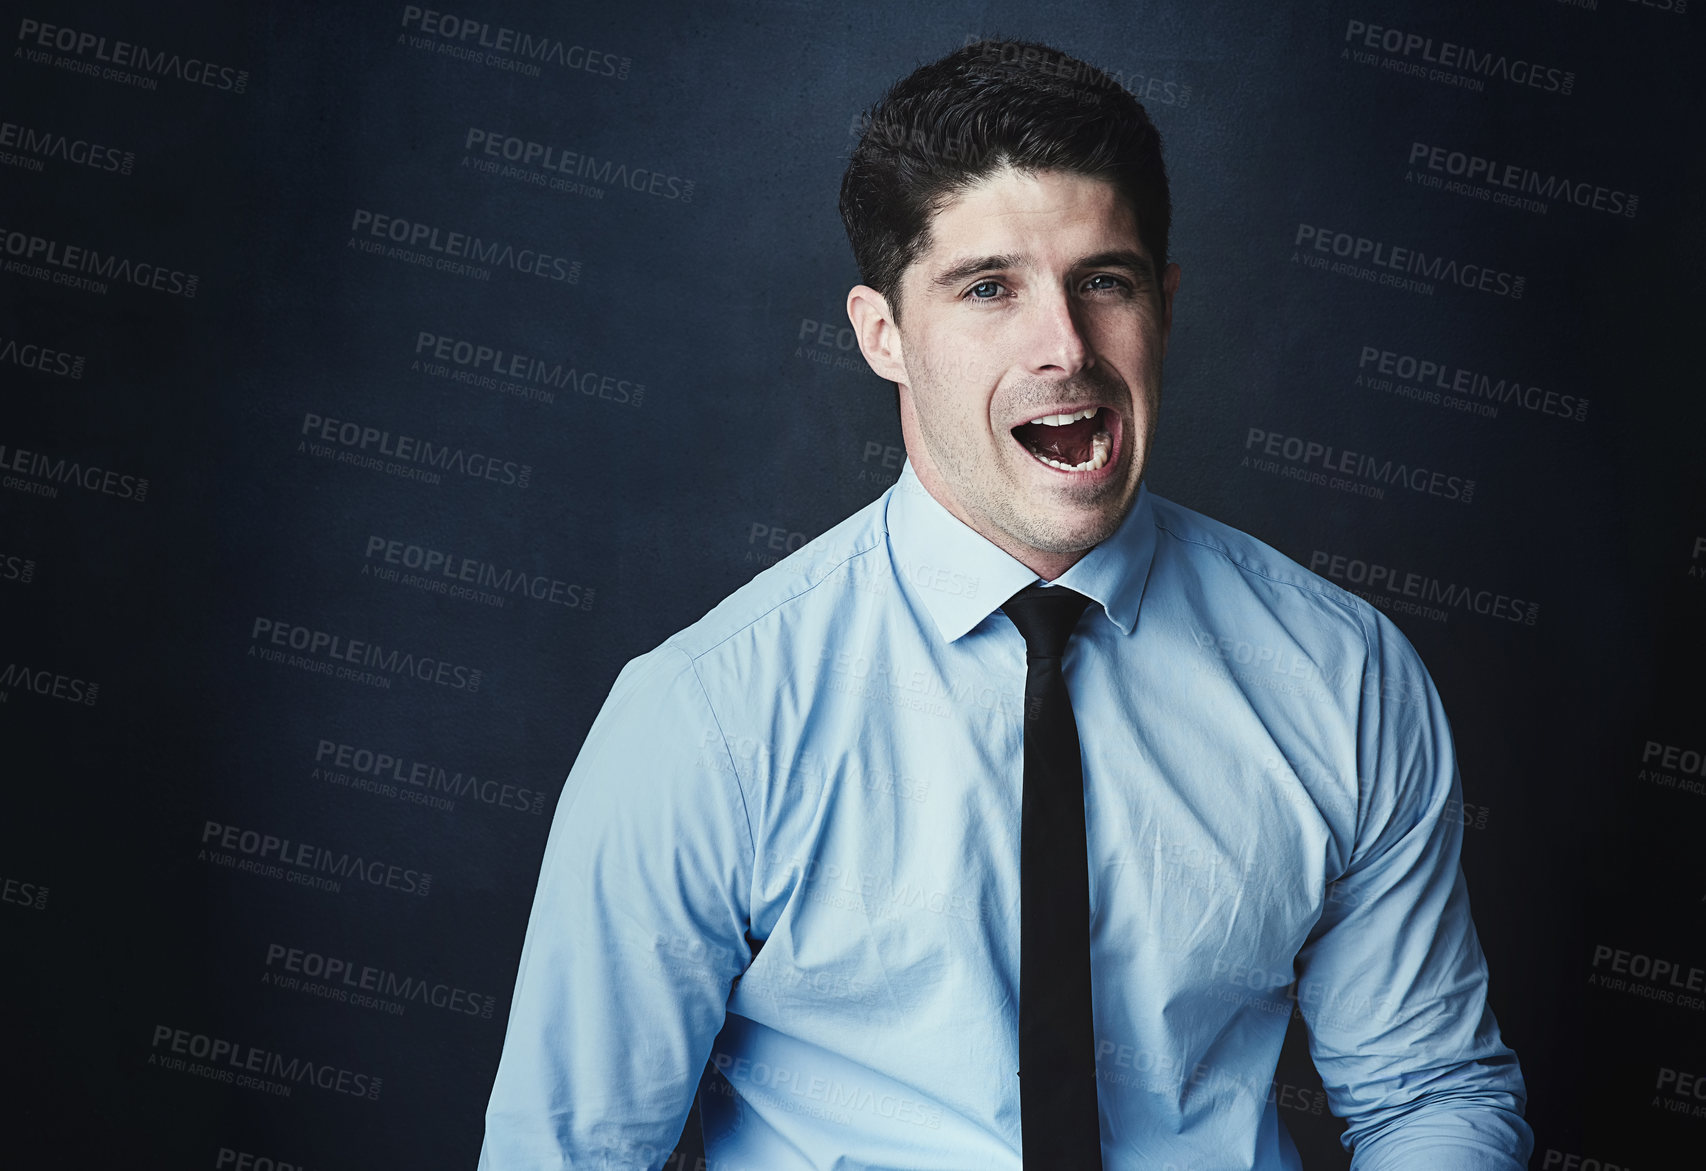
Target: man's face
x,y
1034,328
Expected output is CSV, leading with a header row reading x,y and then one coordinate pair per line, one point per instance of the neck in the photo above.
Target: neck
x,y
1047,566
1041,562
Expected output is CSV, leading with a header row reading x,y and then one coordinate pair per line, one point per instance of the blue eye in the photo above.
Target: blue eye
x,y
1102,276
992,290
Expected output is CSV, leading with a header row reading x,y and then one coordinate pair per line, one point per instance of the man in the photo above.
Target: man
x,y
810,837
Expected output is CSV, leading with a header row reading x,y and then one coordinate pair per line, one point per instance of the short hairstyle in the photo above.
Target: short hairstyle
x,y
989,105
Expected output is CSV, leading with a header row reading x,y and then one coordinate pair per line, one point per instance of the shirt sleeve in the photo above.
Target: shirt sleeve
x,y
636,934
1392,982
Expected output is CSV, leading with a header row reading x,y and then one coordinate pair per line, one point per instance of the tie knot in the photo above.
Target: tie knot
x,y
1045,615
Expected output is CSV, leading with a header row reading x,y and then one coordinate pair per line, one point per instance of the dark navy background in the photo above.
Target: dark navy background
x,y
757,427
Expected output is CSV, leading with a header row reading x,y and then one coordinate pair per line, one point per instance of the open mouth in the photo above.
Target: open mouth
x,y
1077,441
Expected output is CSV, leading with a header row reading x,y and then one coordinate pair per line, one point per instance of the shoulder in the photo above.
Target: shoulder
x,y
1314,612
1216,547
810,586
1231,564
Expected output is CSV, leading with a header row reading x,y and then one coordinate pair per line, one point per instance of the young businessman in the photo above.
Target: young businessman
x,y
1009,819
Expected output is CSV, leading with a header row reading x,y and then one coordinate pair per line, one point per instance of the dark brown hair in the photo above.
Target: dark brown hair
x,y
989,105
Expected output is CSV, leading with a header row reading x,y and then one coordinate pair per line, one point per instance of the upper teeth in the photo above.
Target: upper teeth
x,y
1063,420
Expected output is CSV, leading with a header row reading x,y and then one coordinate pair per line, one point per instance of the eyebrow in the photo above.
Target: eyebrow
x,y
970,268
1137,263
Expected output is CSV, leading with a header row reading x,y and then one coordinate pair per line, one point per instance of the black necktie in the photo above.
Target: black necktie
x,y
1057,1040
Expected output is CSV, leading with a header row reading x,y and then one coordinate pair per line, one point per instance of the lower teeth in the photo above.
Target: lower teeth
x,y
1100,446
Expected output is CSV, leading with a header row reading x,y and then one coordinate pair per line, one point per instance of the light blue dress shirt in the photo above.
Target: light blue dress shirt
x,y
829,763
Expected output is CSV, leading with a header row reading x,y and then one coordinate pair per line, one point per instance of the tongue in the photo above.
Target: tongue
x,y
1070,444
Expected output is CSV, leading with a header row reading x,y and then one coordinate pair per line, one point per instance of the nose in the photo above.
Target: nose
x,y
1056,342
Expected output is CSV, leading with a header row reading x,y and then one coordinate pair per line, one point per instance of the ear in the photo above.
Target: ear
x,y
1169,286
879,337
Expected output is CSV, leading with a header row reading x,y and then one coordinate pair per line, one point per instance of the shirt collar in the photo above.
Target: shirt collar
x,y
962,577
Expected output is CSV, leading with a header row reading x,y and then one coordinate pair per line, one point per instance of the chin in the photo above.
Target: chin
x,y
1075,534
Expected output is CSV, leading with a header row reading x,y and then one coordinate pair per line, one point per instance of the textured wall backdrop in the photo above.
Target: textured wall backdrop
x,y
378,379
